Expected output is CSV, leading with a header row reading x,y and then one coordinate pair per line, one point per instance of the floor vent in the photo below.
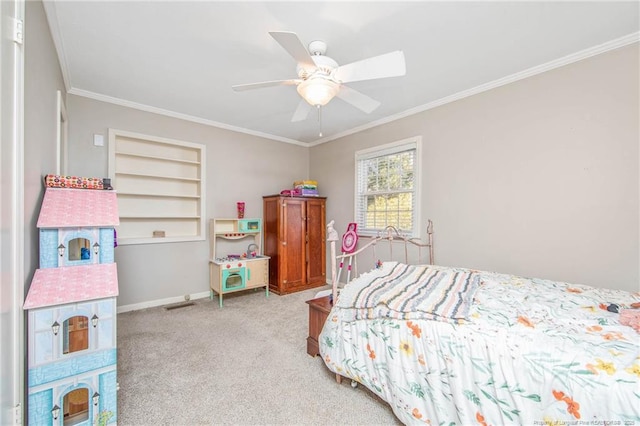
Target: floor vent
x,y
178,305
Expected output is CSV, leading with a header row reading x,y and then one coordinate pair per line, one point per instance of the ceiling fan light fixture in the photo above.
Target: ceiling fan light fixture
x,y
318,91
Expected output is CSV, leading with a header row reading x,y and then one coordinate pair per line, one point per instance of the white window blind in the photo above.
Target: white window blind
x,y
387,193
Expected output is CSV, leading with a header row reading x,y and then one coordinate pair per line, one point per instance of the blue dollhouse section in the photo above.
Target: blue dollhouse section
x,y
105,405
52,238
71,304
71,367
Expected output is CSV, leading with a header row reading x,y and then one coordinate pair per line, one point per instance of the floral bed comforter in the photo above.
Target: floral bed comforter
x,y
531,351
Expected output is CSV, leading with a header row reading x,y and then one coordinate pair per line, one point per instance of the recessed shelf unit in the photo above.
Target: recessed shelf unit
x,y
161,187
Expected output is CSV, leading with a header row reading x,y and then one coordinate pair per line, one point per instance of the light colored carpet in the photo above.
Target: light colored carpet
x,y
243,364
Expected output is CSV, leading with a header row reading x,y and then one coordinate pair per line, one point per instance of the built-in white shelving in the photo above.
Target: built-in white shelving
x,y
161,188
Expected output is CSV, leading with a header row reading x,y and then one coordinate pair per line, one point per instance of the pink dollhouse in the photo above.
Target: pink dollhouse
x,y
71,307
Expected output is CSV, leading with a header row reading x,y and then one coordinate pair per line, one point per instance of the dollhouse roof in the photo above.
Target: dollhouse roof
x,y
70,208
71,284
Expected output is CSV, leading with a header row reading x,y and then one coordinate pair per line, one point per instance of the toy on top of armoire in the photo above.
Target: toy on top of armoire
x,y
71,303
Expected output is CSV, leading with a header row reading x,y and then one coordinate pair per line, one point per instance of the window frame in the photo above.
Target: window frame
x,y
413,143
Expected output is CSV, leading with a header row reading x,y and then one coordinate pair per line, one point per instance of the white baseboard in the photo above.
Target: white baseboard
x,y
160,302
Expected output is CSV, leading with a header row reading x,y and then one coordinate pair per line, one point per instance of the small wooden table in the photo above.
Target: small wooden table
x,y
318,312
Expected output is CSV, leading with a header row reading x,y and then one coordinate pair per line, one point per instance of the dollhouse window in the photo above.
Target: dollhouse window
x,y
79,249
75,334
76,406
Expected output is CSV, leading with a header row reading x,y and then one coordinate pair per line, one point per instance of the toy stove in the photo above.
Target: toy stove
x,y
230,261
234,272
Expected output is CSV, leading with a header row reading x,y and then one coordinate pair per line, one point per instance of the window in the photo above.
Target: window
x,y
76,407
160,185
75,334
79,249
387,187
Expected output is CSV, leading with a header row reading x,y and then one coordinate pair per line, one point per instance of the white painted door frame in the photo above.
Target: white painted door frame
x,y
12,233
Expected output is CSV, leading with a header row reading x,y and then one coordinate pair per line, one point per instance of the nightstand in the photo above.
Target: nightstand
x,y
318,312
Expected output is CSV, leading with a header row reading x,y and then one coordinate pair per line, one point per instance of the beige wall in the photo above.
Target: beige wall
x,y
42,80
537,178
240,168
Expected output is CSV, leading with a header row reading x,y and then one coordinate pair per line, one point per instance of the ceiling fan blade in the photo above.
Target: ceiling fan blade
x,y
388,65
293,45
241,87
357,99
302,111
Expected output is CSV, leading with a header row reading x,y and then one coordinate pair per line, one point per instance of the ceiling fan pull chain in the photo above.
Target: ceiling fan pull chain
x,y
319,119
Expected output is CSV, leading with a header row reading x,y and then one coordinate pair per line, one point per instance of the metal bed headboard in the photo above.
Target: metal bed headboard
x,y
390,234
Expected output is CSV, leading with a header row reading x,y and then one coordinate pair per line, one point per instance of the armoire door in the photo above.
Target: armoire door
x,y
272,243
293,226
316,252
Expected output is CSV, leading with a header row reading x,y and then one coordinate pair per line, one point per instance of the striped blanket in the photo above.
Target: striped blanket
x,y
400,291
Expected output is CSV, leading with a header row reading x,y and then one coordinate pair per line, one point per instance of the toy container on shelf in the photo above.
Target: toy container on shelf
x,y
306,188
305,184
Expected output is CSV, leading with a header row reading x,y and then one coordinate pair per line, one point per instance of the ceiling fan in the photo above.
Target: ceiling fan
x,y
320,78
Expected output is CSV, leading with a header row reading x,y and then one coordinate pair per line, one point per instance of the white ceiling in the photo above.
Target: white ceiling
x,y
181,58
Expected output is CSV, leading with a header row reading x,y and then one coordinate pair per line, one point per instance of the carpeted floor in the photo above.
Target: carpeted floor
x,y
243,364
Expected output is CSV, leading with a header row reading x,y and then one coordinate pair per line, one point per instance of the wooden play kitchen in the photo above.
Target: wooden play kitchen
x,y
243,269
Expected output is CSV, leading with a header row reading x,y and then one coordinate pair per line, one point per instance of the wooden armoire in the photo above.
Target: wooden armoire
x,y
294,239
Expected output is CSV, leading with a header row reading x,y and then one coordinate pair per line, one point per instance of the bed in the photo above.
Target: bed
x,y
457,346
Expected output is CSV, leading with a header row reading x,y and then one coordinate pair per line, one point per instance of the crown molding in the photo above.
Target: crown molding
x,y
539,69
181,116
52,20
